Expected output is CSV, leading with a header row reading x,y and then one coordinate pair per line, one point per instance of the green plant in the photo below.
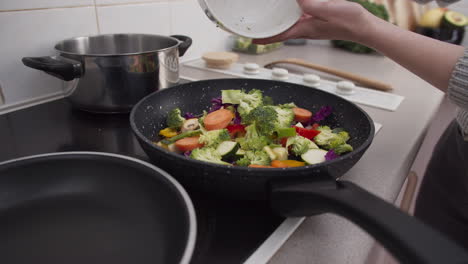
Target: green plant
x,y
376,9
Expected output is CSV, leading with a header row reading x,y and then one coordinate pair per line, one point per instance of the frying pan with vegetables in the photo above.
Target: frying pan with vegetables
x,y
302,191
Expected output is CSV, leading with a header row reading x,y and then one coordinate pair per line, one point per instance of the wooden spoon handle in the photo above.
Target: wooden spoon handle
x,y
346,75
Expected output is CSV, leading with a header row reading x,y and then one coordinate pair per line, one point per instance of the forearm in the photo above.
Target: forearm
x,y
430,59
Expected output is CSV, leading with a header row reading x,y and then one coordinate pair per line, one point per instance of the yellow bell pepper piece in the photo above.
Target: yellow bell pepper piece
x,y
168,132
160,144
293,163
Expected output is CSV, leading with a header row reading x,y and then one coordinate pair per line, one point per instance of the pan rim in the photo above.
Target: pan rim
x,y
190,246
140,136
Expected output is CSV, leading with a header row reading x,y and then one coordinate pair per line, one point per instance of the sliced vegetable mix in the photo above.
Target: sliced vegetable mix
x,y
247,129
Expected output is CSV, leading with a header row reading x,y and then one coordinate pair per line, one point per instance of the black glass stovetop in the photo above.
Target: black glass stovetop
x,y
228,231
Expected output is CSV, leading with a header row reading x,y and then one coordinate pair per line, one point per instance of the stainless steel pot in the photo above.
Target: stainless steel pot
x,y
111,73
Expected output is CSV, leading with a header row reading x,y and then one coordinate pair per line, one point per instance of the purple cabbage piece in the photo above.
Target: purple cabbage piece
x,y
189,115
216,104
214,108
323,113
237,119
187,154
331,155
217,100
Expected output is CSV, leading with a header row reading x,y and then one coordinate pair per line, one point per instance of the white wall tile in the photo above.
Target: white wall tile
x,y
34,33
28,4
187,18
150,18
112,2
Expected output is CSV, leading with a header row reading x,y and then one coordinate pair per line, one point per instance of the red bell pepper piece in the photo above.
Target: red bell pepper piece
x,y
307,133
235,130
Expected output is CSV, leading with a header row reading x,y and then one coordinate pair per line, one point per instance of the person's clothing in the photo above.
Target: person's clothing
x,y
442,202
458,91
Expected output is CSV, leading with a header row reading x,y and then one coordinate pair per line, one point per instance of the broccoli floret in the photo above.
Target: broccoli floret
x,y
174,119
300,145
257,157
214,137
244,162
246,101
324,128
376,9
208,155
200,121
265,118
285,116
252,139
344,135
267,100
270,118
341,149
329,140
250,101
289,105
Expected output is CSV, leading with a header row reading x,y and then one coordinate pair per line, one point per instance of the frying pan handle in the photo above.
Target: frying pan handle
x,y
60,67
185,43
405,237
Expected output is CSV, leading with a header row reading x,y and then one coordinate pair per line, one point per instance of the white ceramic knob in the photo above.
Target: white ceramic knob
x,y
279,74
312,79
345,88
251,68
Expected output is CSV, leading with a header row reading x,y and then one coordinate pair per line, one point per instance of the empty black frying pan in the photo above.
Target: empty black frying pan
x,y
302,191
92,208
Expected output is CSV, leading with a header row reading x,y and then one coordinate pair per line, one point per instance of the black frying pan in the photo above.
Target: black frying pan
x,y
92,208
302,191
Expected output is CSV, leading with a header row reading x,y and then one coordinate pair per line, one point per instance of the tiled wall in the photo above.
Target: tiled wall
x,y
32,27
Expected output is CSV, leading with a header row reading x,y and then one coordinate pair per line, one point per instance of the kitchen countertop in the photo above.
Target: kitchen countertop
x,y
383,168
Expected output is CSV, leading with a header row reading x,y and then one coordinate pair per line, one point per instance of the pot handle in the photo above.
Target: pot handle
x,y
60,67
185,44
407,238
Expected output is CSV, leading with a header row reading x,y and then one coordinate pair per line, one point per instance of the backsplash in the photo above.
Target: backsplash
x,y
31,29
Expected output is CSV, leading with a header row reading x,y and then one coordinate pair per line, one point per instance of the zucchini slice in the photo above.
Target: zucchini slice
x,y
240,152
228,149
314,156
281,153
270,152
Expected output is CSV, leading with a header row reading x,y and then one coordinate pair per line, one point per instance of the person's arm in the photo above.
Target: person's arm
x,y
430,59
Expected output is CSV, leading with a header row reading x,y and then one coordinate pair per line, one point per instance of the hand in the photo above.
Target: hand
x,y
333,19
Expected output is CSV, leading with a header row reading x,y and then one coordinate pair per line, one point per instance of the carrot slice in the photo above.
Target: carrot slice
x,y
188,144
218,119
302,115
279,164
259,166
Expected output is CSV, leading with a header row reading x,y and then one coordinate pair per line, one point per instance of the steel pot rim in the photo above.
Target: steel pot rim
x,y
61,51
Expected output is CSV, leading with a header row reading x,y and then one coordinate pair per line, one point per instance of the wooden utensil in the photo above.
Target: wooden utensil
x,y
346,75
